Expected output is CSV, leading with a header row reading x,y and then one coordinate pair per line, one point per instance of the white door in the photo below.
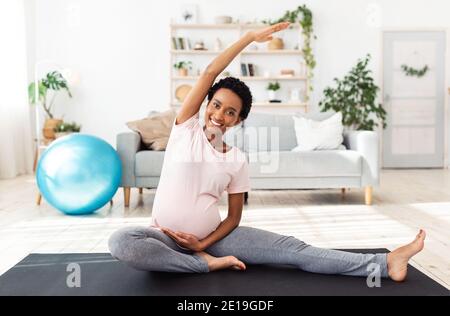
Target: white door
x,y
414,136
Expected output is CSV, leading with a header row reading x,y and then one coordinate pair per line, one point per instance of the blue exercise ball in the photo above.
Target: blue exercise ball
x,y
79,173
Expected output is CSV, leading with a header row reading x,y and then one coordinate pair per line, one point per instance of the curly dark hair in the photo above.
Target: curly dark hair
x,y
238,87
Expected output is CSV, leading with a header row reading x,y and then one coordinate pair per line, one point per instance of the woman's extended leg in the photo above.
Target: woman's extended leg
x,y
147,248
256,246
397,260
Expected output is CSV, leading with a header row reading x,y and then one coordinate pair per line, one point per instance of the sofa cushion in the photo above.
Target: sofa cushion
x,y
324,163
268,132
316,116
149,163
318,134
155,129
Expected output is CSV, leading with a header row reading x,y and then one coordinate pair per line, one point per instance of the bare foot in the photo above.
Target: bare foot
x,y
219,263
397,260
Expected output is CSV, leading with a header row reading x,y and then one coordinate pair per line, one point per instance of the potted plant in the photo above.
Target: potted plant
x,y
273,87
355,97
183,67
64,128
53,81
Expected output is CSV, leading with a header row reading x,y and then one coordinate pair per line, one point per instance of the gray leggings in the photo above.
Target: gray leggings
x,y
147,248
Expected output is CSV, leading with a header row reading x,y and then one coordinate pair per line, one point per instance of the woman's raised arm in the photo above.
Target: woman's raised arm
x,y
195,97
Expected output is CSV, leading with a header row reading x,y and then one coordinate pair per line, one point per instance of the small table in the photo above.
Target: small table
x,y
44,143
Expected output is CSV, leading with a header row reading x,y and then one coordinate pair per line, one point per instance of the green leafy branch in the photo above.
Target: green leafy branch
x,y
412,72
53,81
183,64
274,86
67,127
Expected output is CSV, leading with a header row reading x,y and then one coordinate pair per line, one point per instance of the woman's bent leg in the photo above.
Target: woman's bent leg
x,y
147,248
256,246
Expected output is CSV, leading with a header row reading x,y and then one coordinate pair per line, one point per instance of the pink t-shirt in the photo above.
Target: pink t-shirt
x,y
193,178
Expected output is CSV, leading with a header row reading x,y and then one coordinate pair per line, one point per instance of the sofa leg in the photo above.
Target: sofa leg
x,y
140,190
343,192
368,195
245,197
126,197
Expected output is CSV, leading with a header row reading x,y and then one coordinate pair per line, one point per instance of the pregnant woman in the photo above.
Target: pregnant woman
x,y
187,233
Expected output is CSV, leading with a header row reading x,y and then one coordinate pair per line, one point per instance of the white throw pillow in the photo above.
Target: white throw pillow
x,y
318,135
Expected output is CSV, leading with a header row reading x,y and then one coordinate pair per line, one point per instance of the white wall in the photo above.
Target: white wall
x,y
120,48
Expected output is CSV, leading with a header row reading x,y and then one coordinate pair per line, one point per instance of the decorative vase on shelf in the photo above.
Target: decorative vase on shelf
x,y
295,95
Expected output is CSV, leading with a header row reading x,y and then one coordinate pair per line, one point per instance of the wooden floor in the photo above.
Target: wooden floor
x,y
406,201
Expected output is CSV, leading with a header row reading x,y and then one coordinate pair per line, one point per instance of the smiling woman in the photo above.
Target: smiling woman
x,y
229,102
187,233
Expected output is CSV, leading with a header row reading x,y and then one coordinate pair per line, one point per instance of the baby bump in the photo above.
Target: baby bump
x,y
199,223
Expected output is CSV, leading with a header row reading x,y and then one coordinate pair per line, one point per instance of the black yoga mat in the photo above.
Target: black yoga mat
x,y
100,274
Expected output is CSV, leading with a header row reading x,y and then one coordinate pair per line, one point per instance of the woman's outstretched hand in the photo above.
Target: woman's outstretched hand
x,y
183,239
265,34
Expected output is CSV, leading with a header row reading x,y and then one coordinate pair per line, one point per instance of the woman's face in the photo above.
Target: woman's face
x,y
223,110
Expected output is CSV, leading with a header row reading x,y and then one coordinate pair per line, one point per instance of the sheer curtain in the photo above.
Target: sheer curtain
x,y
16,153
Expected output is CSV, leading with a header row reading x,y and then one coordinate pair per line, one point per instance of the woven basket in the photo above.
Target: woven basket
x,y
275,44
49,126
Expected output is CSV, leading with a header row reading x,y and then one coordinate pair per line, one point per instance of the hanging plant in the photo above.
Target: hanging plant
x,y
412,72
303,16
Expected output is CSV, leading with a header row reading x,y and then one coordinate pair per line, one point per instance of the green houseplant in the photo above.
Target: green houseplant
x,y
273,87
51,84
65,128
355,97
183,67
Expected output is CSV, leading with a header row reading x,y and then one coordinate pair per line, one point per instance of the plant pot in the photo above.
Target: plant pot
x,y
49,126
272,95
183,72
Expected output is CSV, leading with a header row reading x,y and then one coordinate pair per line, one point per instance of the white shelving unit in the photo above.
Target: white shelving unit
x,y
264,57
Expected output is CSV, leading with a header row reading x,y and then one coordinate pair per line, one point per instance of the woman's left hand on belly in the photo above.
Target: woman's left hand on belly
x,y
183,239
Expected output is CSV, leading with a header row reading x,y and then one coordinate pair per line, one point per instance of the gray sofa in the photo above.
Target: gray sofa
x,y
268,139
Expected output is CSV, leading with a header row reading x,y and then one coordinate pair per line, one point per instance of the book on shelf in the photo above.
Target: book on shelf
x,y
251,70
181,43
247,70
244,71
174,43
